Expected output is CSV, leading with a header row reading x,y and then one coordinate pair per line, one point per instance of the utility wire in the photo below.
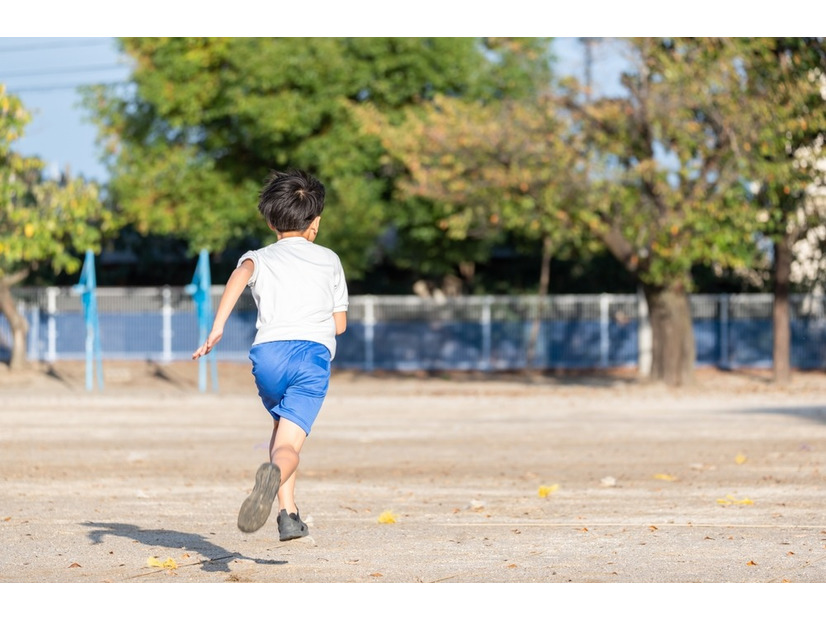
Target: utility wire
x,y
54,45
63,70
31,89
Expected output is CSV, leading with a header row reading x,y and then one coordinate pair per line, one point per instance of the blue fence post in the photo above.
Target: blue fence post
x,y
86,287
200,289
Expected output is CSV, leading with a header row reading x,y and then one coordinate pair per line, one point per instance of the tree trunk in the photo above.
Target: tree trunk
x,y
672,333
542,292
467,269
17,322
781,345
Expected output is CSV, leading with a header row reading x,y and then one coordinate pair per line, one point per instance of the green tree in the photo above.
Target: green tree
x,y
189,145
666,190
782,119
41,221
490,167
438,232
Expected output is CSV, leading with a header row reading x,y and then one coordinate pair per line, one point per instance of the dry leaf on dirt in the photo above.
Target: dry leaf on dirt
x,y
666,477
168,563
730,499
545,491
387,517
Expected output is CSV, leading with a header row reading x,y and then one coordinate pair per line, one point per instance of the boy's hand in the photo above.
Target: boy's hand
x,y
213,339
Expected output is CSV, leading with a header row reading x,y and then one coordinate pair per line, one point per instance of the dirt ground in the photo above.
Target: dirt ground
x,y
589,478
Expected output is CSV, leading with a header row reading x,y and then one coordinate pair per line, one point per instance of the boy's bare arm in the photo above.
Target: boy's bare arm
x,y
341,322
232,291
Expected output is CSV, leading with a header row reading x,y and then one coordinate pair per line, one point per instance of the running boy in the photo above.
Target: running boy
x,y
301,295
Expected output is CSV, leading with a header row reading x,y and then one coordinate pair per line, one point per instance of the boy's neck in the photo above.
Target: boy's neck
x,y
309,233
295,233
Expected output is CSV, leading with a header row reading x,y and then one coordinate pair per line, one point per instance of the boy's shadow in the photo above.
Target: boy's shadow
x,y
218,557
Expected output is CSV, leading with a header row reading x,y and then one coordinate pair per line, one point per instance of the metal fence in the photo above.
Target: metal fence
x,y
412,333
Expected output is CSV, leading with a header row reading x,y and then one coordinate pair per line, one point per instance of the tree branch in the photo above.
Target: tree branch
x,y
13,279
622,250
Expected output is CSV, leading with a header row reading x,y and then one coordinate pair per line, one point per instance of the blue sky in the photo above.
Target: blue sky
x,y
46,71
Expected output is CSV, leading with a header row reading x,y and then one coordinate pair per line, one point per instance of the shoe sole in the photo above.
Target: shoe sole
x,y
257,507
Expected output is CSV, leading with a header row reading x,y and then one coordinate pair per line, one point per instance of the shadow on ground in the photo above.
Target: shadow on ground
x,y
811,413
218,557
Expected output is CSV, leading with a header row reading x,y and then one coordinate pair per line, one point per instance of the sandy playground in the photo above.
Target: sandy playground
x,y
594,478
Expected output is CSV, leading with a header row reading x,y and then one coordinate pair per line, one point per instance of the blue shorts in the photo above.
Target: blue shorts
x,y
292,377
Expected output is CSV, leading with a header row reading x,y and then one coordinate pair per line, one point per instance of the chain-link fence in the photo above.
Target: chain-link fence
x,y
412,333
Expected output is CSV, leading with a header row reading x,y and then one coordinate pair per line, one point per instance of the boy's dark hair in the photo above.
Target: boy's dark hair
x,y
291,200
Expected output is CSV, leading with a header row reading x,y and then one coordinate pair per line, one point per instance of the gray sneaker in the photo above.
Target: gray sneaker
x,y
291,526
257,507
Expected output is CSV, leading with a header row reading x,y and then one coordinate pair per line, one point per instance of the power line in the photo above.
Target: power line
x,y
54,45
30,89
63,70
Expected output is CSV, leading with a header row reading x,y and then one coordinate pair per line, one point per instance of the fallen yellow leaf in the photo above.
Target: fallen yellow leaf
x,y
545,491
730,499
168,563
666,477
740,459
387,517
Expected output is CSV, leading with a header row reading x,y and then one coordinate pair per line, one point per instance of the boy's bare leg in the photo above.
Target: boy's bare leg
x,y
285,444
286,494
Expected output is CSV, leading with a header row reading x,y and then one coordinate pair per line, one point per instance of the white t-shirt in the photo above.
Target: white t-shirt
x,y
297,286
